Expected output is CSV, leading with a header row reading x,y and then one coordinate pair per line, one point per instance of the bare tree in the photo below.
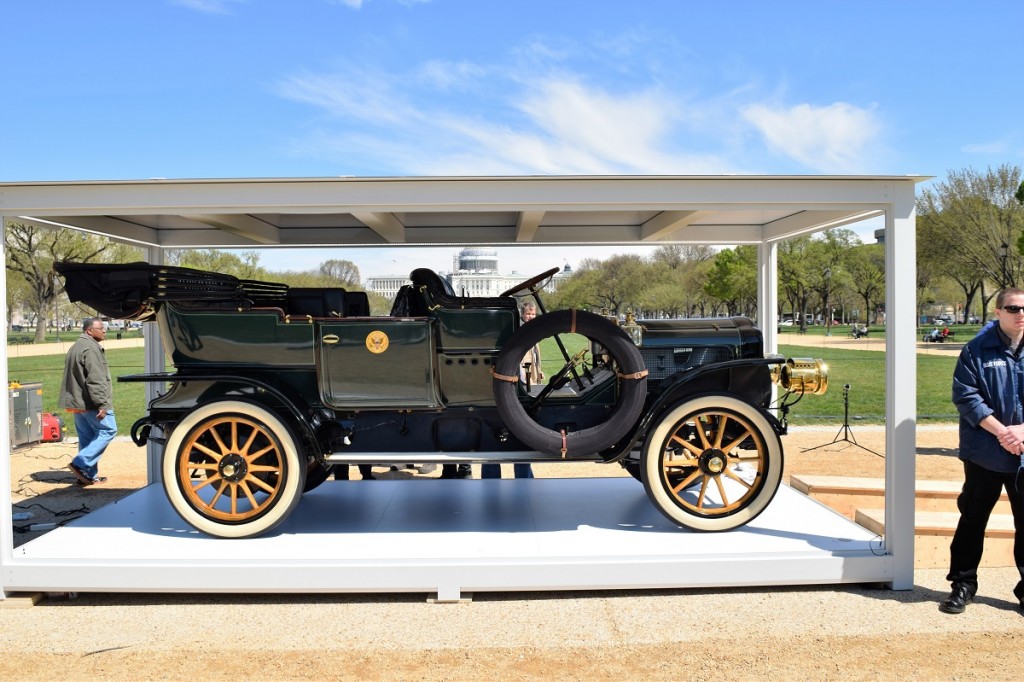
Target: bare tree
x,y
31,253
344,272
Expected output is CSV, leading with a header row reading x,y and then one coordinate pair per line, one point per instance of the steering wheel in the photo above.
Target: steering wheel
x,y
528,284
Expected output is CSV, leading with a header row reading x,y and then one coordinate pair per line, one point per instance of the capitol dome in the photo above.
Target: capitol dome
x,y
477,260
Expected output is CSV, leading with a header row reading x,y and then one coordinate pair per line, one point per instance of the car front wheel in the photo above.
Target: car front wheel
x,y
712,463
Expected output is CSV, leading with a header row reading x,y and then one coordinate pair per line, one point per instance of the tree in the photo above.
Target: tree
x,y
795,267
681,273
31,253
733,279
344,272
615,284
678,256
827,271
975,214
866,265
244,266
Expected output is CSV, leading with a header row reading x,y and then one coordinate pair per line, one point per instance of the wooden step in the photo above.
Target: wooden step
x,y
846,494
933,532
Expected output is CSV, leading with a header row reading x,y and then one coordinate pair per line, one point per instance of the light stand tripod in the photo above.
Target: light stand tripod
x,y
845,431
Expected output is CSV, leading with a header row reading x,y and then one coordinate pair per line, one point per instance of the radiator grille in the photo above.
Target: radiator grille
x,y
663,362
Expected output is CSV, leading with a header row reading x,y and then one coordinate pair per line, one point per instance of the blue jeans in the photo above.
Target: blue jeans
x,y
94,435
520,469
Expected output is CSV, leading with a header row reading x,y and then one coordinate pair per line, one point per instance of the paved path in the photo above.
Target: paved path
x,y
866,343
24,350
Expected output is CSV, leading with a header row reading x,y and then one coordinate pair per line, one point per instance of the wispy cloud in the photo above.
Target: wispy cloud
x,y
358,4
552,126
994,147
832,139
541,114
209,6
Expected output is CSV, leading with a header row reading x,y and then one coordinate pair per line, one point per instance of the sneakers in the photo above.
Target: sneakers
x,y
958,599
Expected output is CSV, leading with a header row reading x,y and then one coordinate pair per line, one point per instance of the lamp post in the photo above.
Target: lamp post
x,y
1004,253
828,311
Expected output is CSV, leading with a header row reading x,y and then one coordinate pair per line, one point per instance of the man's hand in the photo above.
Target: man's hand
x,y
101,414
1012,439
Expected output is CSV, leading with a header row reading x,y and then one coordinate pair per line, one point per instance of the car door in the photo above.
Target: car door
x,y
377,363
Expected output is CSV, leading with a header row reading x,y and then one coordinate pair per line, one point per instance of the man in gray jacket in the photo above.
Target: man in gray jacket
x,y
87,392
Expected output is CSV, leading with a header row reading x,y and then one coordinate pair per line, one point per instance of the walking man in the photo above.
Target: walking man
x,y
988,390
87,392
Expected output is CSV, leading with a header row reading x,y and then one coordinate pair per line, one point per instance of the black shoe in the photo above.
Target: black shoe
x,y
958,600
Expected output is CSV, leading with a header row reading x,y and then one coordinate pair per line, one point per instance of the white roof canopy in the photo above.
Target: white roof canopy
x,y
453,211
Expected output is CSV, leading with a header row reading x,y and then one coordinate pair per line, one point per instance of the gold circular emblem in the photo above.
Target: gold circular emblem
x,y
377,342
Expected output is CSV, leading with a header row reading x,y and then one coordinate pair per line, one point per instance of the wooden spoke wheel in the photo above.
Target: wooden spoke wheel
x,y
712,463
231,469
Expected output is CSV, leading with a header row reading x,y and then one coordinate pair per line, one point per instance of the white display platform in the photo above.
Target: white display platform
x,y
451,537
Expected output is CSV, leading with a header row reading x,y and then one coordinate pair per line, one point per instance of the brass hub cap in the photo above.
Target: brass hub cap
x,y
712,462
704,467
233,467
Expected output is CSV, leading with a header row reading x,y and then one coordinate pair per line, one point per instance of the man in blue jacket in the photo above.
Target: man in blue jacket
x,y
988,390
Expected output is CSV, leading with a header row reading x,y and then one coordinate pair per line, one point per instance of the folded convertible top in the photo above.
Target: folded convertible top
x,y
134,290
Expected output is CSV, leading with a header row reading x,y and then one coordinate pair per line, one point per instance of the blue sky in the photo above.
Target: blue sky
x,y
307,88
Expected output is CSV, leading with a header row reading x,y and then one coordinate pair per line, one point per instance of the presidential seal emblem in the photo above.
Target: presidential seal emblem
x,y
377,342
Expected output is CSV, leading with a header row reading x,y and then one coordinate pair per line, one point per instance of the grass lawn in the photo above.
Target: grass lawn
x,y
129,398
960,331
863,370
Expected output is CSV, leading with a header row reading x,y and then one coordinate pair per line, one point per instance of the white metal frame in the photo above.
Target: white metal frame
x,y
466,211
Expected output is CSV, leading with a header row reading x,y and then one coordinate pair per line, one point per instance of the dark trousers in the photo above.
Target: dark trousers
x,y
341,471
456,471
977,499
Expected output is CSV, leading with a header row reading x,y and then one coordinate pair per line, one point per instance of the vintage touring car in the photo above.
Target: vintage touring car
x,y
275,385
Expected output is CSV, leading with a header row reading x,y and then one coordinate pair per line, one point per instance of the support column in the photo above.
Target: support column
x,y
155,362
768,294
6,528
900,382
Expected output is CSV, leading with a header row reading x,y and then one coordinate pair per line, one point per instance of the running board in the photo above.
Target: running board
x,y
447,457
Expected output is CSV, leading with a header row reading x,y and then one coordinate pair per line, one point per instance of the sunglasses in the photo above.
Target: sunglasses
x,y
1013,309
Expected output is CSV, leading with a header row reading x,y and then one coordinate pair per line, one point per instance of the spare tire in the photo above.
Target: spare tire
x,y
629,365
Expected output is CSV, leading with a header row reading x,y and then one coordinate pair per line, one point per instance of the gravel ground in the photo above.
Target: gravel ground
x,y
779,633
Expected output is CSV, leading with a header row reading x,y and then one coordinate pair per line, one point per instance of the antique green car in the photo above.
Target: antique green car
x,y
274,386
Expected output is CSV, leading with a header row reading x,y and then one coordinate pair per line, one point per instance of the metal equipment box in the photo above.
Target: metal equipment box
x,y
26,411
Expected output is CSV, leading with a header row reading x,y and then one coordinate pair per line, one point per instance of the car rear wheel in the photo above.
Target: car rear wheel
x,y
712,463
231,469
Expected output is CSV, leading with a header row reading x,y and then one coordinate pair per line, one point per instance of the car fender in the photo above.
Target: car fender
x,y
746,379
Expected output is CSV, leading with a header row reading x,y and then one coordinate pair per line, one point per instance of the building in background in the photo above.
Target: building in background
x,y
475,272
